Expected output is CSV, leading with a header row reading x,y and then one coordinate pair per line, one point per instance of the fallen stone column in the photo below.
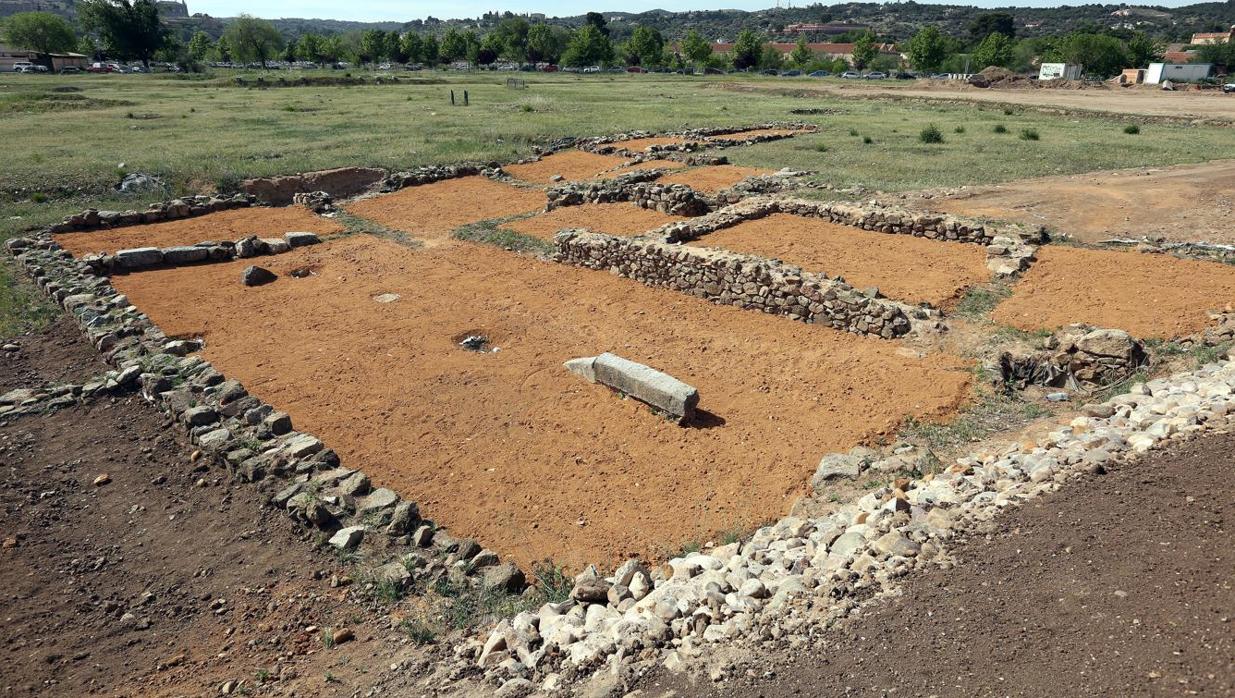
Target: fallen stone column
x,y
647,385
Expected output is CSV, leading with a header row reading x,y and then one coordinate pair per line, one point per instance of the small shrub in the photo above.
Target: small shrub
x,y
38,197
931,134
1000,128
1029,134
821,147
1132,129
419,632
959,129
867,140
527,108
1007,112
853,132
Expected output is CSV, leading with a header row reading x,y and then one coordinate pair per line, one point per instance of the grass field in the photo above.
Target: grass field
x,y
70,139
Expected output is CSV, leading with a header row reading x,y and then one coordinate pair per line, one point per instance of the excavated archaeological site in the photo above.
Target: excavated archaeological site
x,y
697,390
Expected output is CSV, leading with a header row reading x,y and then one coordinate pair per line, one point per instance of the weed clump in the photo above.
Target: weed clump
x,y
1132,129
1000,128
1029,134
931,134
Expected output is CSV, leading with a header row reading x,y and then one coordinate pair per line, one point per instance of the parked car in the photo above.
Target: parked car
x,y
713,71
100,68
768,72
904,75
635,69
70,70
791,73
591,69
1229,88
29,68
820,74
939,76
876,75
851,75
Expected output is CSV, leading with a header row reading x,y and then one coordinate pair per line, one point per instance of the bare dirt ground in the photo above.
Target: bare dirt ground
x,y
1149,295
434,210
55,355
1210,106
221,225
510,448
903,267
652,165
1186,202
712,179
639,144
572,165
753,133
166,580
615,219
1117,585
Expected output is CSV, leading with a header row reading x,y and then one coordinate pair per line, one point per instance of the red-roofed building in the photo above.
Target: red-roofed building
x,y
823,49
1211,38
1178,56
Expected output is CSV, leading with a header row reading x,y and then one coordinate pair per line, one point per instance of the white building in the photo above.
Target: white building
x,y
1059,71
1177,72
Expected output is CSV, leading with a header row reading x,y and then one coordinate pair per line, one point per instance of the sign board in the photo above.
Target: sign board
x,y
1059,71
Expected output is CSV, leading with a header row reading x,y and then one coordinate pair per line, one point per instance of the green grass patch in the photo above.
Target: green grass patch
x,y
491,233
994,411
23,307
979,301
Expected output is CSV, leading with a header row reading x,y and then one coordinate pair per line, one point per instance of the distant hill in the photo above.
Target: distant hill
x,y
896,21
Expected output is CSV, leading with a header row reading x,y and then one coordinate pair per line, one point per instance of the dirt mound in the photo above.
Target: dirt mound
x,y
434,210
1118,585
1148,295
902,267
614,219
510,448
340,183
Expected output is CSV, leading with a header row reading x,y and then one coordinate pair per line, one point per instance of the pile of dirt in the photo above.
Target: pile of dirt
x,y
994,76
231,224
1152,296
903,267
615,219
570,165
712,179
1118,585
433,210
508,447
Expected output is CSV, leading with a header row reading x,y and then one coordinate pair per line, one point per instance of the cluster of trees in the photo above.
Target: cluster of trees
x,y
992,41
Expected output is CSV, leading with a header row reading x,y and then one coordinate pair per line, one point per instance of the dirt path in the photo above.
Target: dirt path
x,y
1185,202
1118,585
508,447
1210,106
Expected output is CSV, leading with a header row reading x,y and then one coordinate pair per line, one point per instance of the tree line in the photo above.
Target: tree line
x,y
132,30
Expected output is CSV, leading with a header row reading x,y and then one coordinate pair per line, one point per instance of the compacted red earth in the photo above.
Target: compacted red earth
x,y
232,224
571,165
507,446
432,211
713,178
1148,295
1117,585
903,267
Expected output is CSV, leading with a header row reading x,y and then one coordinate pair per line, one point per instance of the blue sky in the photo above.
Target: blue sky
x,y
378,10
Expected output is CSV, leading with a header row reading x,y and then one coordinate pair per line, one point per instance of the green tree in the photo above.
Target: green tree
x,y
332,49
646,47
372,45
1100,54
253,40
1144,49
510,37
989,23
489,49
431,51
801,55
995,50
596,19
222,50
1218,54
394,47
696,48
128,30
545,43
928,49
200,46
747,50
39,31
454,45
412,47
309,48
864,50
588,46
771,58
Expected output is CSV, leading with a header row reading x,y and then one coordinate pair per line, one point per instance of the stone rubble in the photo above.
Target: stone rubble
x,y
1075,356
141,258
184,207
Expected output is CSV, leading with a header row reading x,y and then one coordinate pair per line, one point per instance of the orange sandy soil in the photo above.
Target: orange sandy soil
x,y
1149,295
640,144
573,165
232,224
712,179
434,210
743,135
1187,202
615,219
904,267
509,447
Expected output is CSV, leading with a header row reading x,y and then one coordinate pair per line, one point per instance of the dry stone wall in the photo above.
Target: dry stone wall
x,y
638,187
251,439
732,279
174,209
